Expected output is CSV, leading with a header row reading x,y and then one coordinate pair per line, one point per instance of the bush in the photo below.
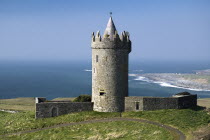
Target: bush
x,y
83,98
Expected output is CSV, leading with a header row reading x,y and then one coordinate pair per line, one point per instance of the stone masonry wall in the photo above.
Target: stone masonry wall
x,y
109,74
155,103
130,103
52,109
187,101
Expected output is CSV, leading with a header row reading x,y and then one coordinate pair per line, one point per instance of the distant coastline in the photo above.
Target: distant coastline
x,y
198,81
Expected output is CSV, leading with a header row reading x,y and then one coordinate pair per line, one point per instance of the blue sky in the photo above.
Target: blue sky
x,y
165,30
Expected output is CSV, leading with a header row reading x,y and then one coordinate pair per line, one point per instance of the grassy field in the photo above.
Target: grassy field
x,y
205,102
26,121
24,104
18,104
186,120
126,130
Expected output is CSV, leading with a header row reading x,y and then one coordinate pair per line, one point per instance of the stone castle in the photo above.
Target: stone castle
x,y
110,69
110,82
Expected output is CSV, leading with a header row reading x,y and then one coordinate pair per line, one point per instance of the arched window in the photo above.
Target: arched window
x,y
54,112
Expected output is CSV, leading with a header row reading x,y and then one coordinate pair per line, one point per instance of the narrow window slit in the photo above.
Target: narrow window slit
x,y
96,58
137,105
101,92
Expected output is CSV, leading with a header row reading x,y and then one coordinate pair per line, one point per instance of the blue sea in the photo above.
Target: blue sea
x,y
72,78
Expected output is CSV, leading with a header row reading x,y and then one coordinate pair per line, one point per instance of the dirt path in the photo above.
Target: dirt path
x,y
173,130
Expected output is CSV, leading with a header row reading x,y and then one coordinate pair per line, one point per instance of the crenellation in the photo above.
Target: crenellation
x,y
122,37
98,37
116,37
128,38
117,41
93,37
98,33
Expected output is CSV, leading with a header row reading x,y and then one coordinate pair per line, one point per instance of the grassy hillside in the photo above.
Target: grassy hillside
x,y
25,120
19,104
205,102
24,104
186,120
102,131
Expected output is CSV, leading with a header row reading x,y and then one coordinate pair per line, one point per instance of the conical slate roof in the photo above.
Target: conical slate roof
x,y
110,28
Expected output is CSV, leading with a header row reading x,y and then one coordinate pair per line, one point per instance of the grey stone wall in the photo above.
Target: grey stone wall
x,y
187,101
52,109
110,73
155,103
46,109
130,103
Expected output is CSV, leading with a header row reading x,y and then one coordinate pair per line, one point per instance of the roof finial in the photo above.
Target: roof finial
x,y
110,14
110,28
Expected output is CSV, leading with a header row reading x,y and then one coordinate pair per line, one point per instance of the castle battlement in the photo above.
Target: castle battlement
x,y
124,37
111,42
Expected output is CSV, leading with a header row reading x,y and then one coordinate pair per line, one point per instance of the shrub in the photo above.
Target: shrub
x,y
83,98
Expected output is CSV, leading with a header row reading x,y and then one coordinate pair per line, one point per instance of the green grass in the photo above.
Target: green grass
x,y
19,104
205,102
126,130
184,119
25,120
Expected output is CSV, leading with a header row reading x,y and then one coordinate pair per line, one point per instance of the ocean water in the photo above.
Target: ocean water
x,y
70,79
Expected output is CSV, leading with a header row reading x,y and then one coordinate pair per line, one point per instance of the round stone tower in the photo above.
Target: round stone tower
x,y
110,69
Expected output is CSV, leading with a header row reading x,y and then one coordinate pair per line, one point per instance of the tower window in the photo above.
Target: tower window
x,y
96,58
101,92
137,105
94,70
